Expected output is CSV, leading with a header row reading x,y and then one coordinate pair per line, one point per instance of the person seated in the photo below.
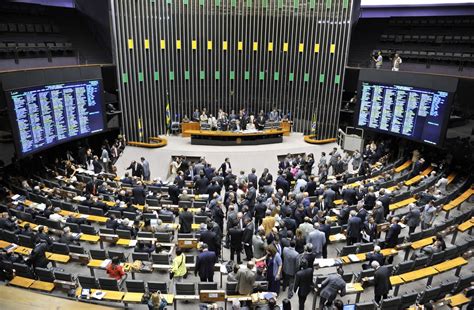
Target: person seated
x,y
251,123
259,276
112,222
43,236
67,237
185,119
232,277
27,231
125,225
145,247
203,118
56,216
115,271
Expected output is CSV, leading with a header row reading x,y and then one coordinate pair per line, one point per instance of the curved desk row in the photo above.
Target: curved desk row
x,y
206,137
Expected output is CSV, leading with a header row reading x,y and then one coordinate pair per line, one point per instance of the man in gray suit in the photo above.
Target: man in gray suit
x,y
330,287
382,283
413,218
318,239
290,257
246,279
146,169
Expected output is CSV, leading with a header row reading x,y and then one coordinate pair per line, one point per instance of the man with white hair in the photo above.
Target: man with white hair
x,y
413,218
56,216
354,227
382,283
318,239
374,256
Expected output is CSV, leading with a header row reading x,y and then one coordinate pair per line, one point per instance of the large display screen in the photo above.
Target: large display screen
x,y
415,113
52,114
413,2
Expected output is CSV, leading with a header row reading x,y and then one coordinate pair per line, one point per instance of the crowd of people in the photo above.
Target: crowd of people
x,y
243,120
273,222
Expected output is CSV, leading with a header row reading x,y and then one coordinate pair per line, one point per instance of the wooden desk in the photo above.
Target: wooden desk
x,y
466,225
404,166
89,238
63,259
286,127
402,204
133,297
458,300
211,295
186,127
396,280
110,295
207,137
450,264
422,243
42,286
21,282
418,274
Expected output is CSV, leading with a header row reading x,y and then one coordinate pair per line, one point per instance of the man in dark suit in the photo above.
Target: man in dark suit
x,y
230,180
139,194
373,256
384,198
249,230
302,278
91,187
349,194
329,196
326,229
185,221
311,187
210,238
282,183
382,283
137,169
205,262
370,229
330,287
201,183
235,234
225,167
37,256
354,227
391,239
252,177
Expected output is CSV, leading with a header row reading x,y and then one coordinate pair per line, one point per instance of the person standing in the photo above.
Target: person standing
x,y
235,234
318,239
428,215
303,277
354,227
330,287
290,257
247,237
396,62
245,279
225,167
185,221
137,169
146,169
104,157
205,262
178,266
382,283
391,239
378,61
413,218
274,269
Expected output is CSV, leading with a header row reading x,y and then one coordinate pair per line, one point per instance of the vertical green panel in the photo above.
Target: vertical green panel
x,y
185,2
168,1
291,77
265,3
337,79
171,75
262,75
247,75
276,75
124,78
296,3
201,2
233,3
152,1
232,75
186,75
312,4
249,3
306,77
345,4
140,76
217,2
280,4
156,76
202,74
328,4
321,78
217,75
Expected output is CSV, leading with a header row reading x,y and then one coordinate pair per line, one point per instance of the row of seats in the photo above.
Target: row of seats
x,y
438,39
432,22
430,55
28,28
22,49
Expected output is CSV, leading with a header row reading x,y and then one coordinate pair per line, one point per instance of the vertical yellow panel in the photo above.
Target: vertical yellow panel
x,y
333,48
285,47
194,44
316,48
270,46
147,44
255,46
209,45
301,48
240,45
163,44
178,44
130,43
224,45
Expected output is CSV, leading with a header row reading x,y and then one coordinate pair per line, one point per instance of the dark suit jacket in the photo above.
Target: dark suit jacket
x,y
253,179
205,264
302,279
185,222
201,185
391,239
236,235
137,170
311,188
354,226
139,195
209,238
349,195
382,281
